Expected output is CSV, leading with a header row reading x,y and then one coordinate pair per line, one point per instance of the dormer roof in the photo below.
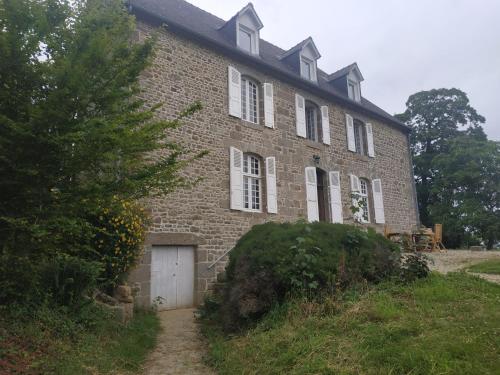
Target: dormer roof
x,y
249,10
350,69
308,42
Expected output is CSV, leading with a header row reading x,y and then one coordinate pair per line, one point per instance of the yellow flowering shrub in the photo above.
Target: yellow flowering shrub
x,y
121,228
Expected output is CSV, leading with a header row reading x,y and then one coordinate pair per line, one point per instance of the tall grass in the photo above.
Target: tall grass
x,y
439,325
59,341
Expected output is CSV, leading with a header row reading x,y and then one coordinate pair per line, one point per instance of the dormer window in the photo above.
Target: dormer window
x,y
244,28
303,59
353,90
348,81
306,68
245,39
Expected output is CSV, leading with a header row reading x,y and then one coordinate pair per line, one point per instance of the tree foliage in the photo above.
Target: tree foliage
x,y
467,190
455,166
73,131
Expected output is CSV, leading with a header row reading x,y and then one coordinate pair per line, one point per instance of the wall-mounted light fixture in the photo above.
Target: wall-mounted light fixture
x,y
316,159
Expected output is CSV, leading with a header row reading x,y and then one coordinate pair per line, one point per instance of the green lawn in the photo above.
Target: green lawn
x,y
440,325
489,266
53,343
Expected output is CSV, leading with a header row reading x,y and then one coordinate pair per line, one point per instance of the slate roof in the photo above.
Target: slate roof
x,y
191,21
342,72
298,47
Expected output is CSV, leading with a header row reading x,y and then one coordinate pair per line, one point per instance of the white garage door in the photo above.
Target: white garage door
x,y
172,277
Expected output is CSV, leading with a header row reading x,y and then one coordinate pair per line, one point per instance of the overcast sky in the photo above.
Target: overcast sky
x,y
401,47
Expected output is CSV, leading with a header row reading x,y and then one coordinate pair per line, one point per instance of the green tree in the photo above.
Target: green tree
x,y
73,131
436,116
467,189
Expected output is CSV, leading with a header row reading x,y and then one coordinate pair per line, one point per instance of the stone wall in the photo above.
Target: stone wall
x,y
184,72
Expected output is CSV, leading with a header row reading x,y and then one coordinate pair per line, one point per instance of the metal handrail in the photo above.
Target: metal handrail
x,y
218,259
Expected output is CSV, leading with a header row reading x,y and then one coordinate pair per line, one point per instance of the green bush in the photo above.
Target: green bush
x,y
273,260
69,280
415,266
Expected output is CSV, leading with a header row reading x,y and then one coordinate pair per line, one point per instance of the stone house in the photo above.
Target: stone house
x,y
285,141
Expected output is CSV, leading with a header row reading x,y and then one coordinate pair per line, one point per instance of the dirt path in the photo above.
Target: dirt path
x,y
180,349
455,260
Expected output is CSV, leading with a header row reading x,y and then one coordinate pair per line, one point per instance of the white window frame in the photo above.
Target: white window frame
x,y
312,68
316,124
248,187
364,201
360,138
246,108
356,94
253,39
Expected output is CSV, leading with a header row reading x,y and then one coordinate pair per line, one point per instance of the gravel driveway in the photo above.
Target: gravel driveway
x,y
455,260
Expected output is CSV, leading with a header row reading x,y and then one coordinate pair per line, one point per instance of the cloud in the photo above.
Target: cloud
x,y
401,47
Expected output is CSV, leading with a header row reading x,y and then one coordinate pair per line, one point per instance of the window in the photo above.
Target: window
x,y
364,203
249,101
245,39
252,191
360,137
306,69
350,86
313,122
353,90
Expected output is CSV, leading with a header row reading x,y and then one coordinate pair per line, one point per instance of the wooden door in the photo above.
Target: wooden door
x,y
172,277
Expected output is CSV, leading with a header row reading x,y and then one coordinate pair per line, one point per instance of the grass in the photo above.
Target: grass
x,y
439,325
489,266
54,342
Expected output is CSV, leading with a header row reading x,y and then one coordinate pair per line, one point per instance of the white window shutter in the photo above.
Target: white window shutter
x,y
355,186
355,189
312,195
378,201
300,114
325,124
272,195
234,92
236,178
268,105
349,123
369,140
335,197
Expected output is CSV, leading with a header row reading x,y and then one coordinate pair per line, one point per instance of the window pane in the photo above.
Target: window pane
x,y
364,189
364,207
311,124
254,166
360,138
306,69
351,90
251,183
245,192
245,164
245,41
252,90
244,83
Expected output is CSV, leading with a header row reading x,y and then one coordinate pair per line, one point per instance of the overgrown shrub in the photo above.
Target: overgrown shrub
x,y
273,260
121,228
414,266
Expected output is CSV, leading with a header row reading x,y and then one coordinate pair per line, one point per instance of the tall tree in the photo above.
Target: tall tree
x,y
435,117
466,190
73,132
